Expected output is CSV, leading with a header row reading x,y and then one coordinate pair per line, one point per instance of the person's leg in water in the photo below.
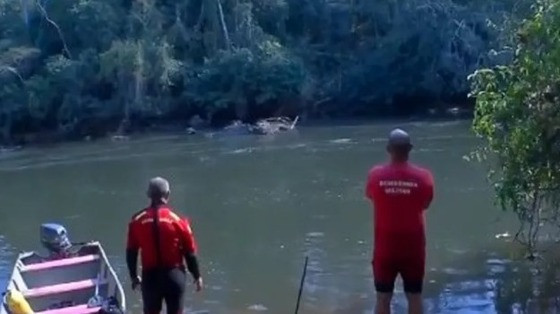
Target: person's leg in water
x,y
413,278
383,303
414,303
174,290
385,274
152,297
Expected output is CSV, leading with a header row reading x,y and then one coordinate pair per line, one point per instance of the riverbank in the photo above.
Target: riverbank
x,y
196,126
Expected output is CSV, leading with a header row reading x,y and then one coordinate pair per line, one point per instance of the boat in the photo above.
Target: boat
x,y
71,279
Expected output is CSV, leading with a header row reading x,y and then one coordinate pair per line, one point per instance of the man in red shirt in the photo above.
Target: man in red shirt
x,y
164,240
400,192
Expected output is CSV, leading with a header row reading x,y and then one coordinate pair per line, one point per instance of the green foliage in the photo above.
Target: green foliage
x,y
245,79
518,116
78,66
121,60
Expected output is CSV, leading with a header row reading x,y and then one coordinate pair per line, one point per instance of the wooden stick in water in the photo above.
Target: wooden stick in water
x,y
294,123
301,284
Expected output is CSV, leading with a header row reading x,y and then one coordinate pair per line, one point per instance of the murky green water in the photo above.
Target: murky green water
x,y
260,204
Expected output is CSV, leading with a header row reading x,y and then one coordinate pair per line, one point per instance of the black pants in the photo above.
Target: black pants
x,y
160,285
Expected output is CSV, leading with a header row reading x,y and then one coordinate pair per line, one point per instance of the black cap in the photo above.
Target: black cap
x,y
399,137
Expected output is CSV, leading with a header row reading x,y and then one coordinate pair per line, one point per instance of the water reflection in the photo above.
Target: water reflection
x,y
505,286
499,286
6,258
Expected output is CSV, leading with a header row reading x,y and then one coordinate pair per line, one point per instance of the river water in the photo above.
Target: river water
x,y
259,205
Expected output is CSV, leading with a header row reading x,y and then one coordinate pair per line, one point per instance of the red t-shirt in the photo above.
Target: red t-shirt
x,y
175,237
400,193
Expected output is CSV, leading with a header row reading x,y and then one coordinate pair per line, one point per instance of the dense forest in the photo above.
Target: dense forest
x,y
86,67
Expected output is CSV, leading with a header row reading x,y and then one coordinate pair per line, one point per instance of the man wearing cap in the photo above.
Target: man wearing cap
x,y
164,240
400,192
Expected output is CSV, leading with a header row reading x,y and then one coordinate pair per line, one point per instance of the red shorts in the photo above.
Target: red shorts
x,y
411,269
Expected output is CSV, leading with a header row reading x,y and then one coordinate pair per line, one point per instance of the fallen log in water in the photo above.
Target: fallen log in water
x,y
273,125
262,127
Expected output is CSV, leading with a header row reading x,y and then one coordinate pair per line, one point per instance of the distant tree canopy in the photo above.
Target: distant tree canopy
x,y
518,115
83,67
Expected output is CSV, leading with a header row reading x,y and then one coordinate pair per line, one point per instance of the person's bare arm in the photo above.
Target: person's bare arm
x,y
428,189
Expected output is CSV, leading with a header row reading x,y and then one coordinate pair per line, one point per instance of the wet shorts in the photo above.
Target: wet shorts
x,y
386,270
160,285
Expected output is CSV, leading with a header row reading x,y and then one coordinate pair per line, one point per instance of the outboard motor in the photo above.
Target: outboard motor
x,y
55,239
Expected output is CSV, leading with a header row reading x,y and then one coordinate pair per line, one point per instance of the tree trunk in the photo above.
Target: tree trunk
x,y
7,127
223,25
24,10
208,26
235,17
126,89
198,26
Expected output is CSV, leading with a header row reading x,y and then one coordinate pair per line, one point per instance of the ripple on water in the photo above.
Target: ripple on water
x,y
496,269
497,266
498,261
315,234
471,286
341,141
296,146
431,150
314,251
458,251
469,297
455,271
213,287
257,307
247,150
